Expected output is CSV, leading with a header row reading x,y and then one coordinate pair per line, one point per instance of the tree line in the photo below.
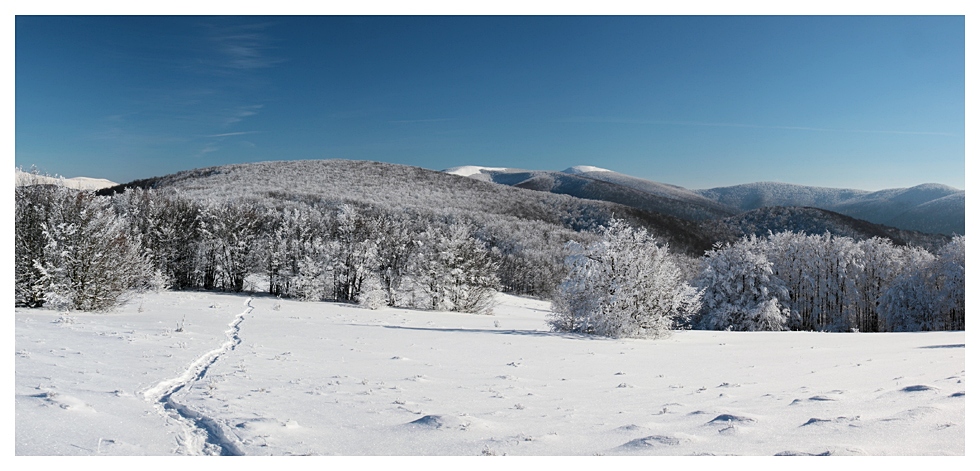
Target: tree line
x,y
77,250
627,285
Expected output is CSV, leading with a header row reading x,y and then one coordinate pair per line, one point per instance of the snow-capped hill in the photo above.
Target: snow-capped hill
x,y
579,169
78,183
925,193
663,190
942,215
471,170
907,197
594,183
762,194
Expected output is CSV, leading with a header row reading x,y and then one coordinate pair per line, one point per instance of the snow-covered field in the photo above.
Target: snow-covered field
x,y
203,373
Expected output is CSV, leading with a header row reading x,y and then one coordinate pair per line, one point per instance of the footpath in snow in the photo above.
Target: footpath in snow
x,y
200,434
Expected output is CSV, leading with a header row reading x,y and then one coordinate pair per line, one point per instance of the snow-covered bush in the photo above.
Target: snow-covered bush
x,y
740,290
623,285
89,260
372,296
312,281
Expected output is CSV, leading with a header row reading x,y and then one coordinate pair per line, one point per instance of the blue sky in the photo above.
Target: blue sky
x,y
701,102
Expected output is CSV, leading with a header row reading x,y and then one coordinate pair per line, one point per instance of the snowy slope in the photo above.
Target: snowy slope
x,y
78,183
942,215
473,171
594,183
258,376
580,169
664,190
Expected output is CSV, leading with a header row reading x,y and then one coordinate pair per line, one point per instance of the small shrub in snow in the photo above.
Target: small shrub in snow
x,y
373,299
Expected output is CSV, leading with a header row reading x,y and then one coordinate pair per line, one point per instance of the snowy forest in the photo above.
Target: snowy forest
x,y
75,250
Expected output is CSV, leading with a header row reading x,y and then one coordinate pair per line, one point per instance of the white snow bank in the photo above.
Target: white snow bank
x,y
584,169
470,170
334,379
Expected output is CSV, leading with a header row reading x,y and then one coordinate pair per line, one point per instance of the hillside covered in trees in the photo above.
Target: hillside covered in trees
x,y
389,235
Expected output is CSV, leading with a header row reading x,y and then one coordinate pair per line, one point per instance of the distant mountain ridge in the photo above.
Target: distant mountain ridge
x,y
929,208
594,183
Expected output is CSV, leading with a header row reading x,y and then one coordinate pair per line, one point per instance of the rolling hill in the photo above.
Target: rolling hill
x,y
598,184
400,187
579,198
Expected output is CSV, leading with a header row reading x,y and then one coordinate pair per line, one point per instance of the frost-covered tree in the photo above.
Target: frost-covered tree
x,y
740,290
32,207
819,272
292,235
950,281
623,285
89,261
881,262
352,252
529,255
230,232
394,252
313,281
452,271
930,293
833,283
169,228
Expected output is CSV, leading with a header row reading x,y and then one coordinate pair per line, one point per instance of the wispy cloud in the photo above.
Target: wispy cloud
x,y
209,78
230,134
744,125
207,150
243,47
236,114
430,120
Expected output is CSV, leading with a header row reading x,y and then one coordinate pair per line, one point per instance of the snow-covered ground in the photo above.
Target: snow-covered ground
x,y
203,373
